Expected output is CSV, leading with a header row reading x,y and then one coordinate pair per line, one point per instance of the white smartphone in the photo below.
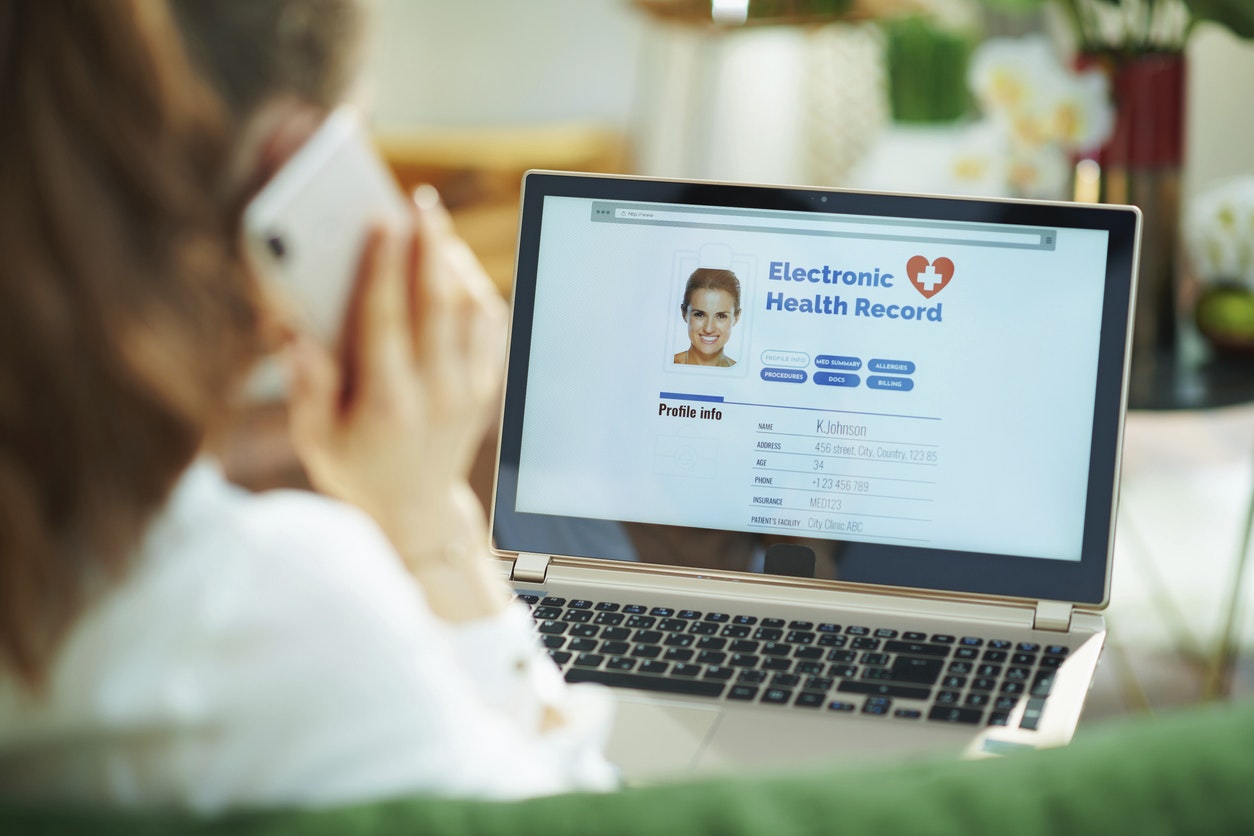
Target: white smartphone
x,y
305,230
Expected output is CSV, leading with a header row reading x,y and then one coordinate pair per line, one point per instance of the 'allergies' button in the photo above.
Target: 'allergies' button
x,y
784,375
891,366
901,384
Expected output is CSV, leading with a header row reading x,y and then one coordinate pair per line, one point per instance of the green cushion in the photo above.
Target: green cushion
x,y
1190,772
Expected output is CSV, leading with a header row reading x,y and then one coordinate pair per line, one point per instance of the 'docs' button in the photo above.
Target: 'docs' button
x,y
901,384
836,379
784,375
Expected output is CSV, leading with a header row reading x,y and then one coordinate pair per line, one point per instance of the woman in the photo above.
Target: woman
x,y
166,639
711,307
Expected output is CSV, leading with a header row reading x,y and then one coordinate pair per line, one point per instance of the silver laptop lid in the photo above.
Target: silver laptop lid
x,y
893,390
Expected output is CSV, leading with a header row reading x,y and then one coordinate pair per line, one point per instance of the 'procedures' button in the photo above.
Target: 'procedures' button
x,y
833,361
836,379
901,384
890,366
784,375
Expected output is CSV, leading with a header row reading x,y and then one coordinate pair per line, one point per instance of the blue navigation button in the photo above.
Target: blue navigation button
x,y
836,379
784,375
890,366
901,384
834,361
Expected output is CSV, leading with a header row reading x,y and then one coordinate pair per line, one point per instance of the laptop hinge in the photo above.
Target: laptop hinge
x,y
530,568
1052,615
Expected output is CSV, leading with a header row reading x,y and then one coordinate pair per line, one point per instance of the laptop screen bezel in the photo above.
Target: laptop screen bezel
x,y
1084,581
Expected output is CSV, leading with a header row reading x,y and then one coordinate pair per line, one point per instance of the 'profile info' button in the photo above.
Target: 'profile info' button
x,y
836,379
784,375
901,384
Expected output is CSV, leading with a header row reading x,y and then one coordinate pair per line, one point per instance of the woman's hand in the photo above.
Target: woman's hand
x,y
394,425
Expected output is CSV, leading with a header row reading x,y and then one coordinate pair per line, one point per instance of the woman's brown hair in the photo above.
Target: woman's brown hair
x,y
710,278
126,316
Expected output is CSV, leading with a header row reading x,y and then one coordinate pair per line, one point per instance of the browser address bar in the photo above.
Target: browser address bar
x,y
825,225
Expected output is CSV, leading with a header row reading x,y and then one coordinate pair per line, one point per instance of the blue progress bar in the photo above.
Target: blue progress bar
x,y
683,396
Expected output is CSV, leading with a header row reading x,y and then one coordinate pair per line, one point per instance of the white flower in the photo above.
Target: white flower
x,y
1219,232
1007,74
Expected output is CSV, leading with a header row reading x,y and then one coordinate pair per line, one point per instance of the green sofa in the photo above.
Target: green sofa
x,y
1190,772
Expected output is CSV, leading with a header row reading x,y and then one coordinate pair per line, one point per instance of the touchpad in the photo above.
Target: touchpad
x,y
656,738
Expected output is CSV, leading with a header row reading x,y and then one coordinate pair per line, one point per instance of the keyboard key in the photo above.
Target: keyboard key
x,y
1032,714
855,630
971,641
807,699
559,656
736,631
999,644
947,698
589,660
1051,661
1018,674
553,602
580,604
885,633
913,636
908,713
949,714
828,627
819,683
553,627
686,670
635,609
744,646
643,621
672,625
751,676
808,652
877,706
773,648
678,654
785,680
977,700
952,681
841,656
832,640
1005,703
1028,647
838,705
552,642
966,653
528,598
711,657
800,625
998,718
648,636
688,614
582,644
611,619
577,616
1057,650
679,640
799,637
808,667
703,628
915,648
746,620
777,696
942,638
615,648
670,685
960,668
842,671
615,634
742,692
717,617
878,674
865,643
768,634
547,612
1043,684
777,663
879,689
744,660
718,673
988,670
620,663
772,622
711,643
654,667
646,651
997,656
583,631
917,669
1012,688
606,606
662,612
877,659
986,683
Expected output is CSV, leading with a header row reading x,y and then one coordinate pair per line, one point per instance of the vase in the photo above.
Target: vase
x,y
1141,164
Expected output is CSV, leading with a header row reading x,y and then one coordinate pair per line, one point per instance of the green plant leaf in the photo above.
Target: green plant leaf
x,y
1236,15
1015,5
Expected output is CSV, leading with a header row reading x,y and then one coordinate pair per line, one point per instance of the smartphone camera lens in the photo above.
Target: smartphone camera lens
x,y
823,198
277,248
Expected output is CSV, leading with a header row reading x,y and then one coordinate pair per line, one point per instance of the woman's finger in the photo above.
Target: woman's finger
x,y
377,318
313,384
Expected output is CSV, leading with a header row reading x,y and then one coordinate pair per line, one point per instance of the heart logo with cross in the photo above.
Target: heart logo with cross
x,y
929,277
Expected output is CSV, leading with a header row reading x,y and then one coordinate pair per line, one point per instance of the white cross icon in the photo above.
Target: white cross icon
x,y
929,278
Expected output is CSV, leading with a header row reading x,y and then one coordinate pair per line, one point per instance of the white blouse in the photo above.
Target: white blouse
x,y
272,649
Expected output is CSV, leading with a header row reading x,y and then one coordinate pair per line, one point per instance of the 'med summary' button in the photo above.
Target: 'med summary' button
x,y
901,384
836,379
784,375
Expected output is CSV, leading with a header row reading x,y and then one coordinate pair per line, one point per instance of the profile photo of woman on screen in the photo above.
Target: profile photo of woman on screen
x,y
711,307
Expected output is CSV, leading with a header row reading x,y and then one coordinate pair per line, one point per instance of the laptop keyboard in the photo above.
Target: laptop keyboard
x,y
843,668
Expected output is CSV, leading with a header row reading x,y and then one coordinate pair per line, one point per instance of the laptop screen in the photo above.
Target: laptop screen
x,y
907,391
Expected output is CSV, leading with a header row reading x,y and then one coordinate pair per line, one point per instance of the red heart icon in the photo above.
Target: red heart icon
x,y
932,281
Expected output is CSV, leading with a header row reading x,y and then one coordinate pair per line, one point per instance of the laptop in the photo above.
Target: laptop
x,y
807,473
